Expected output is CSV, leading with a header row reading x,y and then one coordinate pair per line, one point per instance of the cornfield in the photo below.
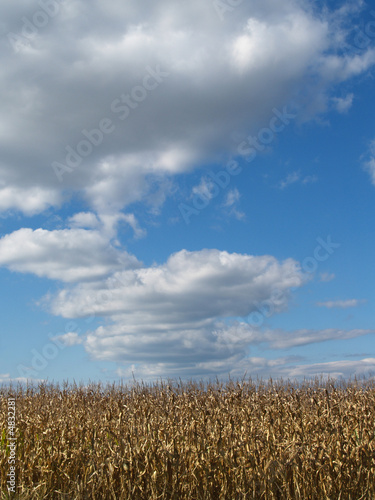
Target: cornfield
x,y
190,440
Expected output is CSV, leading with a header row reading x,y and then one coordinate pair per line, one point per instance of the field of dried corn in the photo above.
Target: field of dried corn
x,y
241,440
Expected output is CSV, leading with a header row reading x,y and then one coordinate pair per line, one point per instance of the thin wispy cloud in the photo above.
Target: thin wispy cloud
x,y
341,304
343,104
231,204
296,177
369,163
69,339
205,189
326,277
232,198
290,179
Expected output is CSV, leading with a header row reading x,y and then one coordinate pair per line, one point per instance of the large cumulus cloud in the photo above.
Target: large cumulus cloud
x,y
177,312
220,76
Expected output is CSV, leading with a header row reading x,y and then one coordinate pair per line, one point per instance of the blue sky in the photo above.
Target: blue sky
x,y
186,192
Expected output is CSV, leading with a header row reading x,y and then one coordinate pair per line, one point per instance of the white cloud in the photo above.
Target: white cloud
x,y
309,179
343,104
205,189
215,349
133,223
6,379
285,367
169,313
106,223
369,165
340,68
191,286
264,54
296,176
334,369
341,304
325,277
232,197
84,220
69,339
279,339
231,202
300,39
67,255
30,200
291,178
290,367
244,334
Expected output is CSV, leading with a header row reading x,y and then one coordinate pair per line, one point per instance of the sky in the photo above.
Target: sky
x,y
187,189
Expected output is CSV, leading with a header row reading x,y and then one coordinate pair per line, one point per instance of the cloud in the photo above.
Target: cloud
x,y
309,179
169,313
168,86
235,366
230,204
294,177
245,334
30,200
343,104
341,304
6,379
286,368
232,198
334,369
279,339
325,277
133,223
68,255
204,190
369,165
84,220
291,178
69,339
225,351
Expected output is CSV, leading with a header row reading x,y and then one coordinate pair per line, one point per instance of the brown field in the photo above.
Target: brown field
x,y
191,441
